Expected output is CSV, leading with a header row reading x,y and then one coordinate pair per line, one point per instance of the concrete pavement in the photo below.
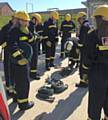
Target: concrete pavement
x,y
69,105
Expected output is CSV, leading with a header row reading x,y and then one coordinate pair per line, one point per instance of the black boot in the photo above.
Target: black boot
x,y
25,106
82,84
34,76
48,65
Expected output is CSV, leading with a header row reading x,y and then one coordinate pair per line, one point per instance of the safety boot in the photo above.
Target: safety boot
x,y
27,105
82,84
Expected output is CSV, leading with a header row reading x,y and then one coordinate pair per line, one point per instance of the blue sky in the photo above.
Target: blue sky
x,y
43,5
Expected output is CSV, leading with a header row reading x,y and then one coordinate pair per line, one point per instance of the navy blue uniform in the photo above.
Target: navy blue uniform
x,y
74,54
96,65
66,28
33,64
21,72
3,42
39,30
85,27
50,36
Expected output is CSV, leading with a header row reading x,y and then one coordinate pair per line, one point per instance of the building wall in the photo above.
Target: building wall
x,y
62,12
6,11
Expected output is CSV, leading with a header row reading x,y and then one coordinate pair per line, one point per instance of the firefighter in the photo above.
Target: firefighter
x,y
84,28
66,29
39,30
3,42
20,34
74,53
36,19
96,65
50,33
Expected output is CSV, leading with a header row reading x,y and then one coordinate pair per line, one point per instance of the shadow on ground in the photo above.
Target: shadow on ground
x,y
66,107
15,115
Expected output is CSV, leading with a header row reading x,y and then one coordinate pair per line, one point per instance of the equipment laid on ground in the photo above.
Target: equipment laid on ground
x,y
51,87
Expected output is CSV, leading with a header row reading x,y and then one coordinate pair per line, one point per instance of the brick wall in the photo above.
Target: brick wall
x,y
6,11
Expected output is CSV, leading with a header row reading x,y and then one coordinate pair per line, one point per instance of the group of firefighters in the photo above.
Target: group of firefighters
x,y
92,44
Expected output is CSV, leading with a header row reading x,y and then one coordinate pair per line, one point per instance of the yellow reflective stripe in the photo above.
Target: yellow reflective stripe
x,y
80,45
24,38
31,40
89,118
14,92
17,53
7,88
83,81
39,31
51,57
103,47
85,67
67,25
75,59
62,52
47,58
22,100
33,70
70,31
52,26
4,45
45,37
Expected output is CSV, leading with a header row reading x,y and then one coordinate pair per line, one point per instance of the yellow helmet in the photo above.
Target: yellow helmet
x,y
22,15
38,17
67,17
55,15
81,14
101,10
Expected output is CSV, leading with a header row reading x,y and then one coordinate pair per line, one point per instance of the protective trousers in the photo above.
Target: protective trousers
x,y
7,71
50,54
63,41
82,55
22,83
34,60
98,90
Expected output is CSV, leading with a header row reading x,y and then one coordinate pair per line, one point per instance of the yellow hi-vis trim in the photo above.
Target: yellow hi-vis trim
x,y
45,37
33,70
31,40
52,26
103,47
22,100
40,31
51,58
24,38
89,118
17,53
47,58
80,45
4,45
67,25
70,31
85,67
83,81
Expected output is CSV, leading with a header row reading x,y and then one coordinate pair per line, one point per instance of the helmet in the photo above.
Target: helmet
x,y
22,15
67,17
101,10
38,17
55,15
81,14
